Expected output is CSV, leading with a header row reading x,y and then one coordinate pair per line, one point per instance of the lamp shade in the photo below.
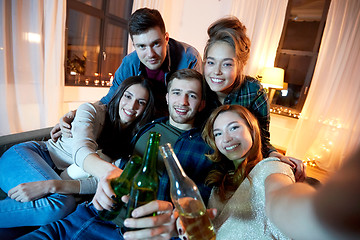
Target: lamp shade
x,y
272,77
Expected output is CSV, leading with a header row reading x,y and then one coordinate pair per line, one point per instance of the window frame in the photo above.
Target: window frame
x,y
313,54
105,19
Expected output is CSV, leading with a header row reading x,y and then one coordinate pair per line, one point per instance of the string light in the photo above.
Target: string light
x,y
310,163
285,112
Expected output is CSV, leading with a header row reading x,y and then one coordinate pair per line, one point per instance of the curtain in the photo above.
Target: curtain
x,y
329,127
264,20
32,63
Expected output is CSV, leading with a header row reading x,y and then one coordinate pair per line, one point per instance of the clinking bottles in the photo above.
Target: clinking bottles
x,y
186,198
121,186
146,181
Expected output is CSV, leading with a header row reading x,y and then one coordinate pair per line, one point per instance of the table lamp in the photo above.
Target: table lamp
x,y
272,78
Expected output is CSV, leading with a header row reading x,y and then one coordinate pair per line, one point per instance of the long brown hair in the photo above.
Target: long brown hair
x,y
224,176
113,140
231,31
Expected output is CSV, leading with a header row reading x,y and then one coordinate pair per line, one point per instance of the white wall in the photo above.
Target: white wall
x,y
281,129
75,96
182,26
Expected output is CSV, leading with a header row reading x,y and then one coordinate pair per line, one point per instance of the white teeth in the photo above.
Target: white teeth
x,y
231,147
128,112
180,110
217,80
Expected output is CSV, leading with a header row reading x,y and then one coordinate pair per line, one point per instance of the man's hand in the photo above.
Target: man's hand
x,y
64,127
161,226
65,123
55,133
297,165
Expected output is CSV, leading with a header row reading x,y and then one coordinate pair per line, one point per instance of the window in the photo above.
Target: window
x,y
96,32
298,51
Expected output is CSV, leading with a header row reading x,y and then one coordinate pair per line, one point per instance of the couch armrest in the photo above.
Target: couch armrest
x,y
8,141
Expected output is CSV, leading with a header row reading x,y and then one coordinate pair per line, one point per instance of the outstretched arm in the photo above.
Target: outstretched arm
x,y
105,172
290,207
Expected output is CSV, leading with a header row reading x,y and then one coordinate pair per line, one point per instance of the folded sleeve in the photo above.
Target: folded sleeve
x,y
86,128
88,185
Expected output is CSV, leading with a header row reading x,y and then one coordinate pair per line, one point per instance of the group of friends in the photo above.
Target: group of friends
x,y
216,119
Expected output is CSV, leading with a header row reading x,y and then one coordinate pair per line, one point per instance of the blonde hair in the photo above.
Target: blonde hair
x,y
225,177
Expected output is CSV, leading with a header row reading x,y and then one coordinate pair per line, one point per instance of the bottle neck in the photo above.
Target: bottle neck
x,y
172,164
150,155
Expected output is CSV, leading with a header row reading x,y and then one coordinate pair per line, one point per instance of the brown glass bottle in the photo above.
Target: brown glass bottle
x,y
187,199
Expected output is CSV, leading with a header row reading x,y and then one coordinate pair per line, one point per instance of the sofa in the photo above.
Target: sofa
x,y
7,141
44,134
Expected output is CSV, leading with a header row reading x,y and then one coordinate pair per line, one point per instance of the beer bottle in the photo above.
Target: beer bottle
x,y
146,182
121,186
186,198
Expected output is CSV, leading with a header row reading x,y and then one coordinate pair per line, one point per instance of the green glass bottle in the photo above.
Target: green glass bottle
x,y
146,181
122,186
187,199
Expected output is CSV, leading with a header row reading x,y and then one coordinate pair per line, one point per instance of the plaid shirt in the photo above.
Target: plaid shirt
x,y
190,149
253,96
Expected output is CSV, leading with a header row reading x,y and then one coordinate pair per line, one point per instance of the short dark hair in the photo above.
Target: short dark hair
x,y
143,19
113,105
187,73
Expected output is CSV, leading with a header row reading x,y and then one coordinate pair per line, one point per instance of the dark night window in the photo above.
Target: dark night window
x,y
96,40
298,51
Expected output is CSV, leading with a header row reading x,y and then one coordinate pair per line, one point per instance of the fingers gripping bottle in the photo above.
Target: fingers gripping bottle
x,y
186,198
146,182
121,186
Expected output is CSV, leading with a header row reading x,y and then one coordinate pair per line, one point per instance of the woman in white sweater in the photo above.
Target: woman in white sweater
x,y
39,176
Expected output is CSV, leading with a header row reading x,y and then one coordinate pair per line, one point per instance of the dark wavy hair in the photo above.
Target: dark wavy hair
x,y
113,105
231,31
143,19
224,176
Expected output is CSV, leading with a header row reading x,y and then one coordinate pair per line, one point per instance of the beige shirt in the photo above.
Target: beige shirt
x,y
68,154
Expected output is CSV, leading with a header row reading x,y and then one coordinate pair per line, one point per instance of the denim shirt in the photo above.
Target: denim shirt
x,y
179,56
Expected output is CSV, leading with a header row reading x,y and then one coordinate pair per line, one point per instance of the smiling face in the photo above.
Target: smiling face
x,y
184,102
221,68
132,104
232,136
151,47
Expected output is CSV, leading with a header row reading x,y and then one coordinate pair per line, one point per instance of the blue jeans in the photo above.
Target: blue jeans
x,y
29,162
83,223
